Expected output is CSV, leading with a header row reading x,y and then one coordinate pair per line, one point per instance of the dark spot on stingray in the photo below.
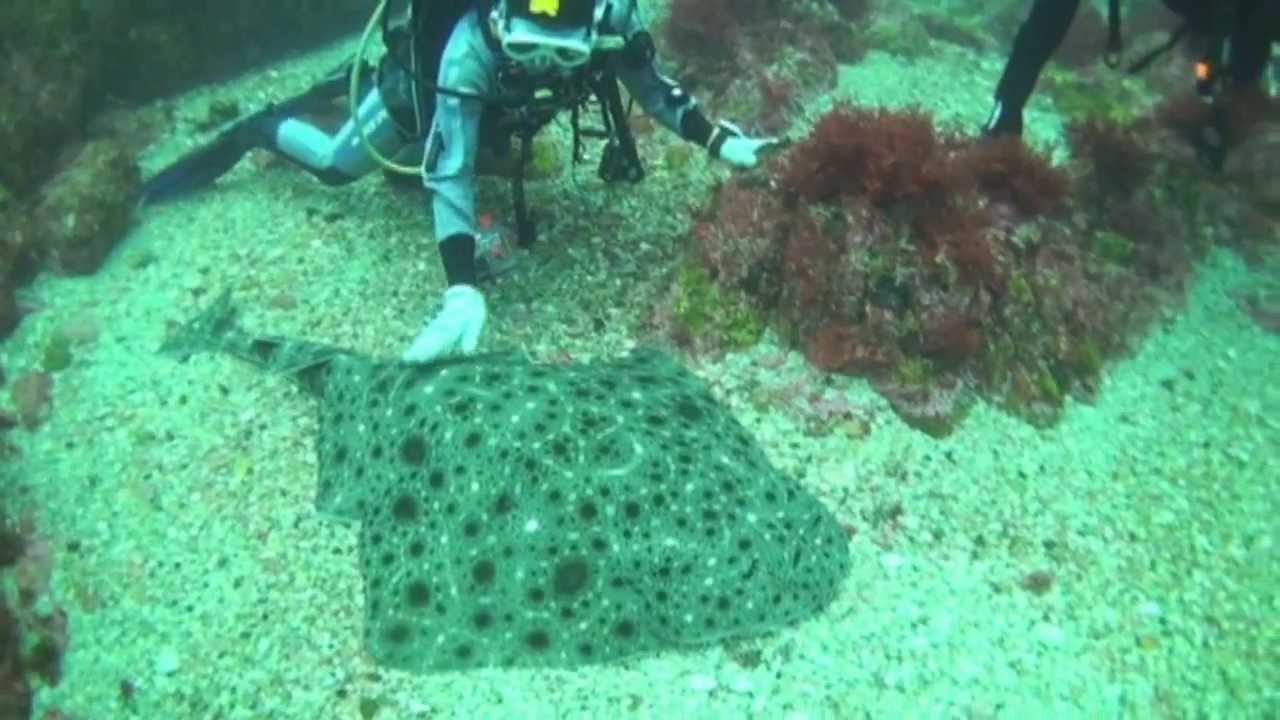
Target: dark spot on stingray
x,y
418,594
397,633
538,640
689,410
483,572
413,450
504,504
406,509
571,576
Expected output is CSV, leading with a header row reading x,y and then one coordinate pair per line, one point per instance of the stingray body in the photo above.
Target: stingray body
x,y
523,514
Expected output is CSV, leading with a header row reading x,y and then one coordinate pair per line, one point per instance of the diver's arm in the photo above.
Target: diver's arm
x,y
1037,39
448,170
659,96
449,162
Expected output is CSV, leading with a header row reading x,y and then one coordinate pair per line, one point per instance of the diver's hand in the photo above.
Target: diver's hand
x,y
744,152
455,329
730,145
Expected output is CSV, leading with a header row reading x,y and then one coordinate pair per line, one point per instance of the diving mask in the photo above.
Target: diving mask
x,y
546,34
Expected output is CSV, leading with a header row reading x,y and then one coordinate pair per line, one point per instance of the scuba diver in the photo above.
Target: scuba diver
x,y
1232,45
469,76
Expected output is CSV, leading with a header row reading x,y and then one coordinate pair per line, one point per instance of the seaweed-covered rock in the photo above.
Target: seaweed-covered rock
x,y
86,208
945,269
49,69
64,58
15,688
16,262
1253,165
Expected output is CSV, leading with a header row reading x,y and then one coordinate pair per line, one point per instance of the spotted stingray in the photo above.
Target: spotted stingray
x,y
516,513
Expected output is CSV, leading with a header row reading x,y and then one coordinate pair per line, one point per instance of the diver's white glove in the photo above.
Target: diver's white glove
x,y
730,145
455,329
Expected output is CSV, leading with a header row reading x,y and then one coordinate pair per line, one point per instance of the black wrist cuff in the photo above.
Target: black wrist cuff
x,y
458,253
695,127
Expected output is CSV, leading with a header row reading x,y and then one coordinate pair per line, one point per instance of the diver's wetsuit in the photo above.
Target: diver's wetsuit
x,y
386,113
1257,26
472,63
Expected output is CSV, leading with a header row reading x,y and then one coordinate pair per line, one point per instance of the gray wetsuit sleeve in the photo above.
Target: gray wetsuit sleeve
x,y
659,96
449,160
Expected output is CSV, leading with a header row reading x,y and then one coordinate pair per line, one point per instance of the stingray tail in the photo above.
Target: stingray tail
x,y
215,330
206,332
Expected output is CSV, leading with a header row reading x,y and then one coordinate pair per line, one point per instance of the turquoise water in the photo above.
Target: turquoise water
x,y
1120,562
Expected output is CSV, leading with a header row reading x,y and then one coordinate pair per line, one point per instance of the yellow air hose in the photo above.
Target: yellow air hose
x,y
353,97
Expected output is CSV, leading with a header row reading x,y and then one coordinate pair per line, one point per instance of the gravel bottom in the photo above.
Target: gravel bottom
x,y
1121,564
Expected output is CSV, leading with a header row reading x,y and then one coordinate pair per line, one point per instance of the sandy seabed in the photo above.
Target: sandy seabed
x,y
1121,564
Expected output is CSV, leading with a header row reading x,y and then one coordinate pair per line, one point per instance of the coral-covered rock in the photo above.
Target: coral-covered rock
x,y
85,210
758,61
885,156
16,262
1252,166
32,395
15,688
1115,159
840,347
9,312
935,408
1006,170
50,65
944,269
64,58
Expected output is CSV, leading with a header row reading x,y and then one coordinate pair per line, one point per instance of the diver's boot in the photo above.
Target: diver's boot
x,y
201,167
1003,122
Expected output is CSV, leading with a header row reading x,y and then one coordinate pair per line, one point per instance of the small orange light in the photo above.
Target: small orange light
x,y
1202,71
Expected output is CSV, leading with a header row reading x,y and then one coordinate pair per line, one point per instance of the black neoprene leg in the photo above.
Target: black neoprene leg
x,y
1036,41
1257,27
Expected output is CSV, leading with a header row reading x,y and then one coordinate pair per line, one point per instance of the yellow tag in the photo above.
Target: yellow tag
x,y
550,8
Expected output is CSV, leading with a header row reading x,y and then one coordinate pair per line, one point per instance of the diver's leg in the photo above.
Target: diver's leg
x,y
341,158
204,165
1256,29
1037,39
